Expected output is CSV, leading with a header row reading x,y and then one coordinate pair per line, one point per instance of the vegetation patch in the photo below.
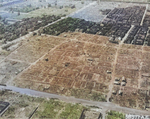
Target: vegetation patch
x,y
24,9
57,109
115,115
51,109
75,24
20,28
22,106
87,94
71,111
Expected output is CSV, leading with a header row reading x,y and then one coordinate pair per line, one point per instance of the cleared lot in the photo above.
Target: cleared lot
x,y
81,65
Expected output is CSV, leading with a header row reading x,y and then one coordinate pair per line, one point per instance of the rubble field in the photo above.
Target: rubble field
x,y
132,74
72,68
30,49
84,65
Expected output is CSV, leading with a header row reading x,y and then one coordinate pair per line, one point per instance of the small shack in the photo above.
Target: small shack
x,y
120,92
116,82
114,92
123,83
123,79
117,79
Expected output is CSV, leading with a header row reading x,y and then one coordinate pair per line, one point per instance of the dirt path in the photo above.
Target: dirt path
x,y
140,71
113,73
125,37
144,15
115,62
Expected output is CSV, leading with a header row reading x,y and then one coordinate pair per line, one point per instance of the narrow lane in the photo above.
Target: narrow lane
x,y
127,34
113,73
144,14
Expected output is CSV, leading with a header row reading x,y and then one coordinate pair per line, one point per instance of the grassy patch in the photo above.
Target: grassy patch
x,y
56,109
72,111
10,112
98,97
51,109
88,94
115,115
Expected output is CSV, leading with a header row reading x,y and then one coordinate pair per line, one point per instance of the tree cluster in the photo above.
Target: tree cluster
x,y
20,28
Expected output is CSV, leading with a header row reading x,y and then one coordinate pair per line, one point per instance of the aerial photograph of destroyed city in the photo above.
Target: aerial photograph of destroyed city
x,y
74,59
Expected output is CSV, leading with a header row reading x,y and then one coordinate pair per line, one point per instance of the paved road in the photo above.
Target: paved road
x,y
127,34
103,105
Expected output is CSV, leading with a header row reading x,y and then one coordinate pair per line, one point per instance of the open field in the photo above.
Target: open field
x,y
72,68
82,65
32,48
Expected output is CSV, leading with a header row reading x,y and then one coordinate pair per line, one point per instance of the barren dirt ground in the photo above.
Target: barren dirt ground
x,y
81,65
72,58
